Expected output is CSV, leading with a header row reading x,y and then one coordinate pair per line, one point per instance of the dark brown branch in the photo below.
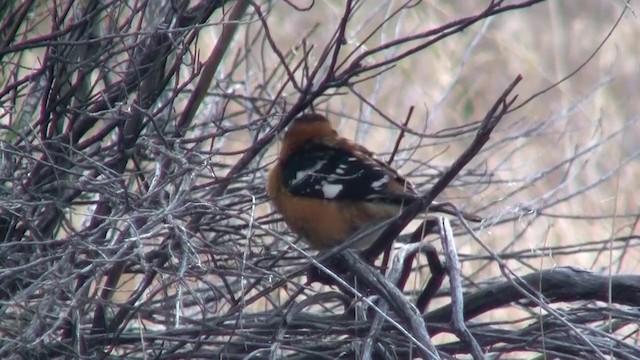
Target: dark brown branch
x,y
395,299
553,285
491,120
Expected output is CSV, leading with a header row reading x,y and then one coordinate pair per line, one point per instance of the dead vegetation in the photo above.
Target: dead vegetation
x,y
135,138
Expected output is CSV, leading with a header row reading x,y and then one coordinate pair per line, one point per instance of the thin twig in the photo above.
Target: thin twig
x,y
455,282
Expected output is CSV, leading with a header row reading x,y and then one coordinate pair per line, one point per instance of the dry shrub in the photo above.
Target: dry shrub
x,y
135,137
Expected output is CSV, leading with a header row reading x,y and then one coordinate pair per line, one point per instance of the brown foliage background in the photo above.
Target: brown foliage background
x,y
135,137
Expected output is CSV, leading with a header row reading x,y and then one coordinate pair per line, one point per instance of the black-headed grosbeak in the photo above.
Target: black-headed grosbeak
x,y
328,188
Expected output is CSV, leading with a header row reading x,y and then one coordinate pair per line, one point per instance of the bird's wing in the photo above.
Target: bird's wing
x,y
343,171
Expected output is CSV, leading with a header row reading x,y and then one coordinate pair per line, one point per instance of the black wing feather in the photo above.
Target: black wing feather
x,y
321,171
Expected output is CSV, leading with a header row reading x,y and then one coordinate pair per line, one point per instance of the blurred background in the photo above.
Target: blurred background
x,y
559,170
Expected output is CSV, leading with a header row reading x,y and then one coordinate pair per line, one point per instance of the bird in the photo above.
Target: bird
x,y
328,188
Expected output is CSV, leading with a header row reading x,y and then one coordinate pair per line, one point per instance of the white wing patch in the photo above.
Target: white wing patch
x,y
330,190
341,169
300,175
378,184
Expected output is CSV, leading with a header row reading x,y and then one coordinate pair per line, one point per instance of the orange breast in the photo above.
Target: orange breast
x,y
328,223
325,223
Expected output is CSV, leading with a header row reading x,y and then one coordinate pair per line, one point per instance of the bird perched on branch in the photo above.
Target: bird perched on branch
x,y
328,188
